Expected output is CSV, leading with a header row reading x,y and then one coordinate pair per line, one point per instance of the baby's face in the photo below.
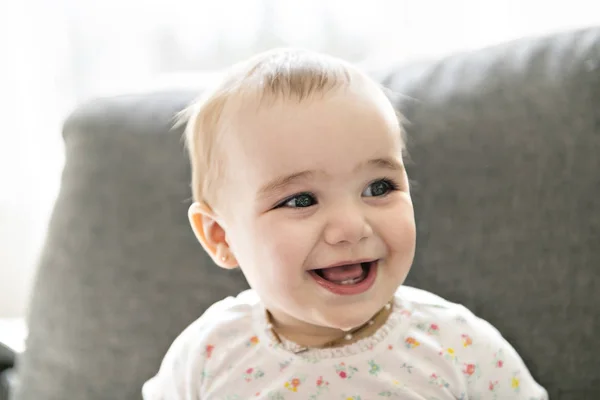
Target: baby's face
x,y
311,186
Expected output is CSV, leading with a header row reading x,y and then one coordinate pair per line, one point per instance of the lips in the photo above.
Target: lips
x,y
347,279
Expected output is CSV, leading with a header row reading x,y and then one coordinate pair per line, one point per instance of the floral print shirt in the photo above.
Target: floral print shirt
x,y
429,349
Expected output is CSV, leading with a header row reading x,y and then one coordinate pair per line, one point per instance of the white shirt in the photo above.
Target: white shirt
x,y
428,349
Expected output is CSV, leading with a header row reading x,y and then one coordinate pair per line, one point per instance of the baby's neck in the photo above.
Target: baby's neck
x,y
313,336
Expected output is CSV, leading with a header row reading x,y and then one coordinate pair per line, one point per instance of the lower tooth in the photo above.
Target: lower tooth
x,y
351,281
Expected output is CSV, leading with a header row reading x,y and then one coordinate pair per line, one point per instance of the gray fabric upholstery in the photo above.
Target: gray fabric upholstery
x,y
121,273
504,147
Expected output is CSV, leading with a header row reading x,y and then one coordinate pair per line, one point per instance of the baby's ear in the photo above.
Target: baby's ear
x,y
211,234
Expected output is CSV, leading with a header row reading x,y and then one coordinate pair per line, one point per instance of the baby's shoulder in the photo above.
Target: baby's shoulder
x,y
426,303
231,313
222,321
460,350
428,309
225,322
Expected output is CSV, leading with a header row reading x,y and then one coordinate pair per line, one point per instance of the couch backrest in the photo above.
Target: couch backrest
x,y
121,273
504,147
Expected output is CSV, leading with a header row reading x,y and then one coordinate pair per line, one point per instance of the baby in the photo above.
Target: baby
x,y
298,179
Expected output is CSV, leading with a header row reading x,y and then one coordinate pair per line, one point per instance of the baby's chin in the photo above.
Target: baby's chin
x,y
348,323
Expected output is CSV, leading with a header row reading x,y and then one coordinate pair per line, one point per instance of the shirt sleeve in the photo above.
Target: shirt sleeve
x,y
490,366
181,374
174,378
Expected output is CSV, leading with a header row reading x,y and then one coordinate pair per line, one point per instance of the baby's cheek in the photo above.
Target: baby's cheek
x,y
398,230
286,256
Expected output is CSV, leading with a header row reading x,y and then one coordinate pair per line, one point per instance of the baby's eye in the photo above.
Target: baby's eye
x,y
301,200
380,188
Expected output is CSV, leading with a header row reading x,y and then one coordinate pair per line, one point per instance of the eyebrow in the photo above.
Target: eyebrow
x,y
282,181
278,183
386,163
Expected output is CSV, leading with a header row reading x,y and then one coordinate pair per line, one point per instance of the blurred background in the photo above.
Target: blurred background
x,y
56,54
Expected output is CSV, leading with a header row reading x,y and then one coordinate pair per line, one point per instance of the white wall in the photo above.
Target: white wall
x,y
31,108
19,235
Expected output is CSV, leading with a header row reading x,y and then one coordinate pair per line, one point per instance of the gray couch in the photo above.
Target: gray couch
x,y
504,154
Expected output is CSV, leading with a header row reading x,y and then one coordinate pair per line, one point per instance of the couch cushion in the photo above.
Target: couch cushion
x,y
503,147
121,274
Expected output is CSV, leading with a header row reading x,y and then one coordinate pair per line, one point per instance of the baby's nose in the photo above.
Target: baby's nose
x,y
347,225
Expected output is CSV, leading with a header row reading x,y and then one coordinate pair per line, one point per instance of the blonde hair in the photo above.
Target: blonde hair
x,y
289,74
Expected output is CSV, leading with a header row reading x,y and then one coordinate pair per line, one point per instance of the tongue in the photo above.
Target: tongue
x,y
343,272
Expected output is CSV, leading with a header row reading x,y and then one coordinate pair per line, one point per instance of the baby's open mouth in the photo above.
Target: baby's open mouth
x,y
347,279
349,274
